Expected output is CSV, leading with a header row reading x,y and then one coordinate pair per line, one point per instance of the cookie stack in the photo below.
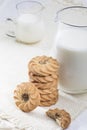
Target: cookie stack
x,y
43,73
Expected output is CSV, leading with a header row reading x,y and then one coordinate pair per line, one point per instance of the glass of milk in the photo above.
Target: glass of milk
x,y
70,49
29,25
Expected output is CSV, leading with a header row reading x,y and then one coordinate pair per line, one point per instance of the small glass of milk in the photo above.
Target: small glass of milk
x,y
71,49
29,25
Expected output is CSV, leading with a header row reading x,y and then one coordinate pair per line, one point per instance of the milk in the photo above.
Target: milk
x,y
72,55
29,28
71,51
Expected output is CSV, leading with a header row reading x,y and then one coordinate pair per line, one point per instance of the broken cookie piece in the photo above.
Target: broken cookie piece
x,y
62,117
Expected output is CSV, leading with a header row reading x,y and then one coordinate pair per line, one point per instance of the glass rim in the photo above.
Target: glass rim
x,y
71,7
31,1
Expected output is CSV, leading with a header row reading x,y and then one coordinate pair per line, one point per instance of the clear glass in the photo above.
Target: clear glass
x,y
30,19
71,48
29,27
29,7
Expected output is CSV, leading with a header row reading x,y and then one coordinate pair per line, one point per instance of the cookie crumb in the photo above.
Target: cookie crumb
x,y
62,117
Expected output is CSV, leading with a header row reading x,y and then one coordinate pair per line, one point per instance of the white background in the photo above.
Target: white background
x,y
7,9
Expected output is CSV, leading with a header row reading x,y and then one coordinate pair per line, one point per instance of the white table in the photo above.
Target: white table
x,y
81,122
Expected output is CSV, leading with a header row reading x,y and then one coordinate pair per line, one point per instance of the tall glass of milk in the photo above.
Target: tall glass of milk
x,y
71,49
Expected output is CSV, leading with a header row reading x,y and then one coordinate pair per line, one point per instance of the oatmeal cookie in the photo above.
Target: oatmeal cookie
x,y
26,96
48,103
43,79
47,91
48,85
43,65
49,97
62,117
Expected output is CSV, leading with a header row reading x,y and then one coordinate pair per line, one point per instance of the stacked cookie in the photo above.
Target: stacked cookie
x,y
43,73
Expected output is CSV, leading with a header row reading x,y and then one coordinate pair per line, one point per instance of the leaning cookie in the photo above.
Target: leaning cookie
x,y
62,117
26,96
